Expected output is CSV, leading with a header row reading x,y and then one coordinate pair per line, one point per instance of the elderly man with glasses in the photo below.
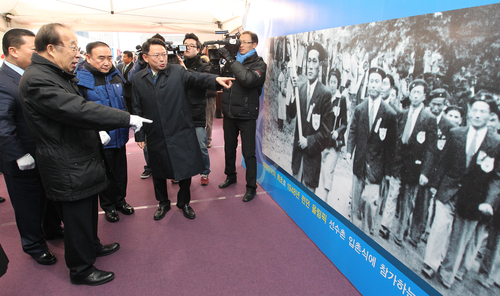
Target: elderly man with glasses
x,y
68,148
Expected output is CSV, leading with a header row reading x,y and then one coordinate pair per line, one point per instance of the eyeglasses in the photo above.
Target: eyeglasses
x,y
163,55
246,42
191,46
73,48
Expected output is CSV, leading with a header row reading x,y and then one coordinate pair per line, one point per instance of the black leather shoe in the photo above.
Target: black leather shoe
x,y
188,212
161,211
126,209
384,233
2,199
98,277
46,258
112,216
249,195
108,249
226,183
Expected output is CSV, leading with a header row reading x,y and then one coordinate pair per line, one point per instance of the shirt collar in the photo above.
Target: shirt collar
x,y
15,68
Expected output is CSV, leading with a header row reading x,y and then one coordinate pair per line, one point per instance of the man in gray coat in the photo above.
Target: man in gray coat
x,y
159,92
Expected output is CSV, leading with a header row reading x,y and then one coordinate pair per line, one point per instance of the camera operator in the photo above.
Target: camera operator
x,y
240,106
198,99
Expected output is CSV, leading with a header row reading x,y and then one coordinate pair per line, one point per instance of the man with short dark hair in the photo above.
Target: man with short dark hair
x,y
240,107
159,92
96,77
313,122
469,186
124,68
373,135
34,213
417,129
198,99
68,148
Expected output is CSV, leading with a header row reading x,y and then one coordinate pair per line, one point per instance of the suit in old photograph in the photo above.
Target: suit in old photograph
x,y
462,187
415,157
423,214
374,151
315,112
477,183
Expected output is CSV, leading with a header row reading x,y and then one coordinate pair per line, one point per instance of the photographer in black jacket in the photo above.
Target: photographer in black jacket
x,y
198,99
240,106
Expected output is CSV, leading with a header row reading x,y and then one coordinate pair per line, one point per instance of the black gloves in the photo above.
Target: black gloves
x,y
226,55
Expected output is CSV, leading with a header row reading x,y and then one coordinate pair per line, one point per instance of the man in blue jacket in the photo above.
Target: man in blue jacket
x,y
101,82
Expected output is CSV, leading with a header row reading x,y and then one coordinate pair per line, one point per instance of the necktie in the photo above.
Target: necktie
x,y
309,95
371,115
407,130
471,150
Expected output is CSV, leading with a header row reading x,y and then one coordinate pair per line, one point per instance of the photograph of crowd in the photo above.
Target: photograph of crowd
x,y
395,125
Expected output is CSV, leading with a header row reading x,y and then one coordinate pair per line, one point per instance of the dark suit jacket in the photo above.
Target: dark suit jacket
x,y
470,185
375,148
127,86
338,123
15,138
417,156
444,126
316,130
125,74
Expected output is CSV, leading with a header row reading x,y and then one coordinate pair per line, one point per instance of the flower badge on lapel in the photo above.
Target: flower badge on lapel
x,y
421,137
487,163
382,133
316,121
441,143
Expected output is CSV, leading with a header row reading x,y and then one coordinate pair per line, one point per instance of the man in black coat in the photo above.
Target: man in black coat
x,y
240,106
159,92
69,152
34,213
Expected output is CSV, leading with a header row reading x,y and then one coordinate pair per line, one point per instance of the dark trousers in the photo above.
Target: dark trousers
x,y
35,215
420,213
80,235
233,127
183,195
147,168
114,195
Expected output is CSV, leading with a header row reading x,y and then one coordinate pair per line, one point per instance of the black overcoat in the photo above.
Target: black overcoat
x,y
174,152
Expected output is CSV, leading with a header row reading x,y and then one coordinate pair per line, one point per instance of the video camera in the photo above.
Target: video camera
x,y
231,43
173,51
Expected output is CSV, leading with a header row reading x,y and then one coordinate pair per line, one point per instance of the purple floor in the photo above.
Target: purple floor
x,y
231,248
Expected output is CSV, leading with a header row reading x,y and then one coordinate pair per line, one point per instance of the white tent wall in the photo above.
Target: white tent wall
x,y
154,16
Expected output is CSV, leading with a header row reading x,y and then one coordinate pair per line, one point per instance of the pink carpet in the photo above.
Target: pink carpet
x,y
231,248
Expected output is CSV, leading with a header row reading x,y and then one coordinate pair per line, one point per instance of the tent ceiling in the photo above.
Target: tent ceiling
x,y
174,16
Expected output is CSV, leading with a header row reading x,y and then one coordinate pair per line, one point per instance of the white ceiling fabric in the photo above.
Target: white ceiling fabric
x,y
174,16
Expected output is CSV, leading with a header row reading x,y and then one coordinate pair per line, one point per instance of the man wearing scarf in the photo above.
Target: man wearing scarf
x,y
240,106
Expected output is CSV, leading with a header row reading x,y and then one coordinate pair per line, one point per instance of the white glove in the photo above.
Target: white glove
x,y
26,162
105,138
486,209
137,121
